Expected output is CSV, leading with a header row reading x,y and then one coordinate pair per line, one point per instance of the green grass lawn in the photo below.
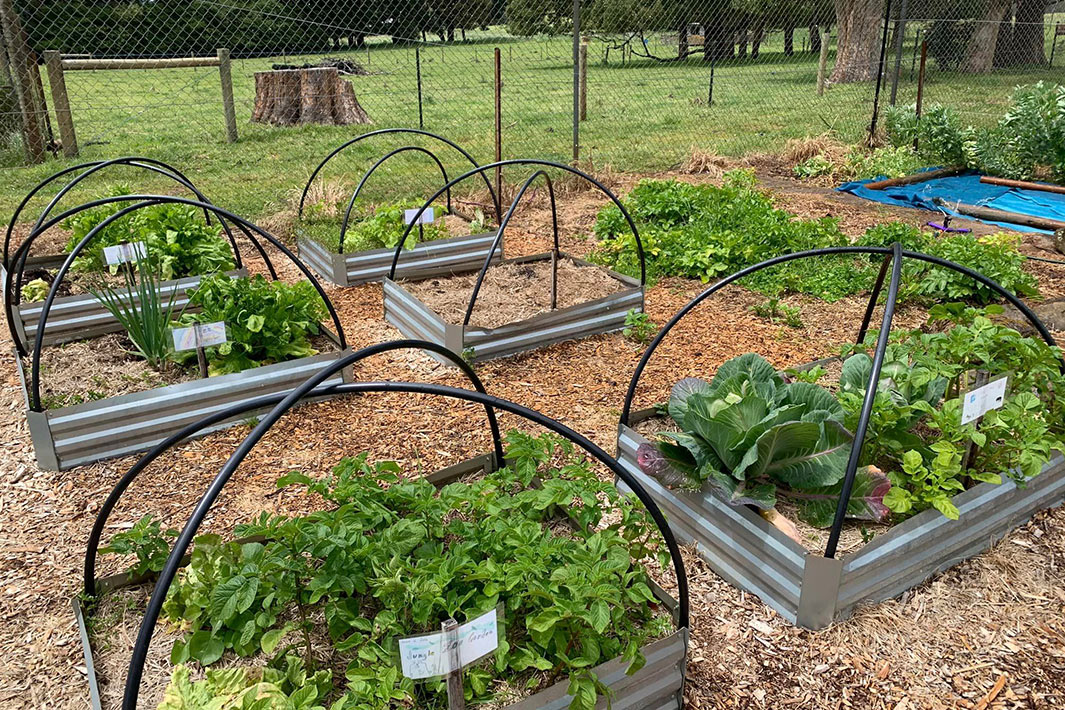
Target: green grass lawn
x,y
642,114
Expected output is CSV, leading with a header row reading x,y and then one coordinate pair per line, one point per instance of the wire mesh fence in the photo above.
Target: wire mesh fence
x,y
637,85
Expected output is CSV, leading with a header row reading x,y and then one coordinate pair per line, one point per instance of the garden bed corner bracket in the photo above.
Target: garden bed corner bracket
x,y
821,578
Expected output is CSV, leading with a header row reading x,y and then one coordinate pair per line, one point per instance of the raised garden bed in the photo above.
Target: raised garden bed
x,y
549,311
812,588
327,247
267,351
657,684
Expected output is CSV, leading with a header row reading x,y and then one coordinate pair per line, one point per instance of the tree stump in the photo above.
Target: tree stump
x,y
291,97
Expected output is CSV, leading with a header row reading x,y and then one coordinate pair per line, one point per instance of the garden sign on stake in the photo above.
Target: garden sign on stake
x,y
447,653
197,337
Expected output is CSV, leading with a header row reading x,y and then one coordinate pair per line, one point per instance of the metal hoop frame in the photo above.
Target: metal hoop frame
x,y
499,240
366,176
412,131
895,255
184,539
525,161
104,514
148,201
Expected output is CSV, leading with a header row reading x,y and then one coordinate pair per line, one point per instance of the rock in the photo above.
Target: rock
x,y
1051,312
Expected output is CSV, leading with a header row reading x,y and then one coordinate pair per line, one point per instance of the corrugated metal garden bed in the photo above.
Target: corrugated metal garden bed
x,y
659,684
416,319
441,257
811,590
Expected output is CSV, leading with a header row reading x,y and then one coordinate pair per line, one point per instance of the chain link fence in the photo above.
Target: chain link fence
x,y
632,84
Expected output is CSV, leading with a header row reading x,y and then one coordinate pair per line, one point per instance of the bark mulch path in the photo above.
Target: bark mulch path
x,y
990,633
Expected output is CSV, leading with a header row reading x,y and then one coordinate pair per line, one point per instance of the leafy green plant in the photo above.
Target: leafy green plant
x,y
35,291
996,257
639,328
812,375
941,139
287,688
147,541
375,227
750,436
814,166
919,487
178,240
142,309
393,557
266,321
774,311
886,162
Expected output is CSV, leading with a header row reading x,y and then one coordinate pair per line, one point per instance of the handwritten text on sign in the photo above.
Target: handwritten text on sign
x,y
428,656
981,400
201,335
124,252
426,218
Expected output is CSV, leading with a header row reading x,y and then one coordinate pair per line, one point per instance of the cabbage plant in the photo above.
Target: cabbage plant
x,y
751,437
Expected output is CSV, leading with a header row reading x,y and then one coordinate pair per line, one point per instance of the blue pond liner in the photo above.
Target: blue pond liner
x,y
968,190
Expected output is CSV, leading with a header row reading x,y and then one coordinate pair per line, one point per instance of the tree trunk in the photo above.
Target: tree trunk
x,y
682,40
756,36
717,41
1028,34
858,42
789,40
815,39
744,39
980,56
292,97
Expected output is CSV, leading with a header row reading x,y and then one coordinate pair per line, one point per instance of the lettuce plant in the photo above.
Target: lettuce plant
x,y
752,437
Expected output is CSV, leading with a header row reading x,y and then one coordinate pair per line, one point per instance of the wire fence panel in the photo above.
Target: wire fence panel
x,y
726,76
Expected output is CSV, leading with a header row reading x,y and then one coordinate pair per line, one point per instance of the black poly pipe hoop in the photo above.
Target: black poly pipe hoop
x,y
184,539
104,514
373,168
132,161
527,161
499,240
148,201
895,255
415,131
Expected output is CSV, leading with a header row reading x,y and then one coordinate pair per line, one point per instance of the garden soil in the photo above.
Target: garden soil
x,y
987,634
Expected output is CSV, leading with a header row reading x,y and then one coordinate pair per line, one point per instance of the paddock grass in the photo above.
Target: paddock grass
x,y
642,114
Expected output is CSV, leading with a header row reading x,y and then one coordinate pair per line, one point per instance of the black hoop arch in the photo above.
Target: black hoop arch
x,y
894,256
513,205
184,539
373,168
149,164
410,131
148,201
191,430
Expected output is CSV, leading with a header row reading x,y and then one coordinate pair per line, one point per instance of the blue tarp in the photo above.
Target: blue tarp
x,y
968,190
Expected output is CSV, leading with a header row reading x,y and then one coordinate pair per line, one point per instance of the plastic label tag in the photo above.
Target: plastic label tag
x,y
124,253
981,400
428,655
201,335
426,218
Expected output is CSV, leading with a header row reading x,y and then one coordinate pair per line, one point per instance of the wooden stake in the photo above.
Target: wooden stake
x,y
225,74
822,64
456,699
584,78
61,102
910,179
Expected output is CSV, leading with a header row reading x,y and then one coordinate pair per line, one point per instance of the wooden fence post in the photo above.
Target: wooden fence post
x,y
61,102
225,72
18,54
822,63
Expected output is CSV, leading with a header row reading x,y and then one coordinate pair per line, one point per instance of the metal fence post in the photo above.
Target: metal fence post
x,y
576,79
61,102
418,73
226,75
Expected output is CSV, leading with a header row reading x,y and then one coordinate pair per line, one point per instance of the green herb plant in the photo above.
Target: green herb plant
x,y
775,312
639,328
147,541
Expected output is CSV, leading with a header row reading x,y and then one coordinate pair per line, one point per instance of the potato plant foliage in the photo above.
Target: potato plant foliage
x,y
393,557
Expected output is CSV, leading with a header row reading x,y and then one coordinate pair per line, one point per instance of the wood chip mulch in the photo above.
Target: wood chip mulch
x,y
989,633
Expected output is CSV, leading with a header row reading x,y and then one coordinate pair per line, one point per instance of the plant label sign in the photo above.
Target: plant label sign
x,y
979,401
198,336
429,655
426,218
124,253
